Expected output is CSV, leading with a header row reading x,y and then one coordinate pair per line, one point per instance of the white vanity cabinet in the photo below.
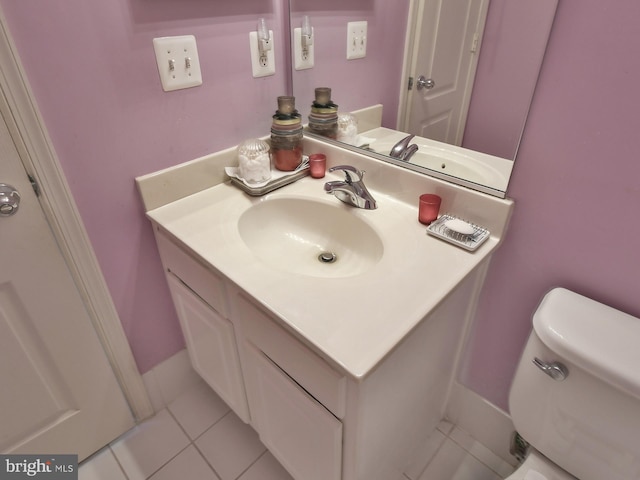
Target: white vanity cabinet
x,y
319,422
199,296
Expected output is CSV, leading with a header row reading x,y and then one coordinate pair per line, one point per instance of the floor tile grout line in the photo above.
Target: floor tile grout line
x,y
168,461
175,419
215,472
192,442
474,456
113,454
254,462
180,451
432,457
208,428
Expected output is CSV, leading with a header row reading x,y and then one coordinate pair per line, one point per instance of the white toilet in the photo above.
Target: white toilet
x,y
576,393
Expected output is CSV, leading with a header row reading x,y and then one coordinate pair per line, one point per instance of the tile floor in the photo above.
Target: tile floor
x,y
197,437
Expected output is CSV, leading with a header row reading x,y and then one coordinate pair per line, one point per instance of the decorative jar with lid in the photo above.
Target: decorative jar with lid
x,y
323,119
286,135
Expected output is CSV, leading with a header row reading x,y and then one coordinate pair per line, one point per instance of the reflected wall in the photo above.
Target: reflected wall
x,y
360,82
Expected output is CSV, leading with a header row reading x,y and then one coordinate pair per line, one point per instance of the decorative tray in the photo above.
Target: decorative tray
x,y
278,178
272,184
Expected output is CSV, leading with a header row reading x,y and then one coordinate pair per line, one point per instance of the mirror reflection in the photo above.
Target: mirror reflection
x,y
458,74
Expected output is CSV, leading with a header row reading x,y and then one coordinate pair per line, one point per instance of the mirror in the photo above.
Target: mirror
x,y
511,37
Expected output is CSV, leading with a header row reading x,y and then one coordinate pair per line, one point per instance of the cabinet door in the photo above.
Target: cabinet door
x,y
303,435
211,345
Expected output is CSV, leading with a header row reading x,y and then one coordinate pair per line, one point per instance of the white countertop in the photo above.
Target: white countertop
x,y
353,322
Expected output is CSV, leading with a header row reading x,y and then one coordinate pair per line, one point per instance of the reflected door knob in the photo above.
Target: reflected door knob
x,y
427,83
9,200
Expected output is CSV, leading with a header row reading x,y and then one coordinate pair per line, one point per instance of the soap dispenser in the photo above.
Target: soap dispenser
x,y
286,135
323,119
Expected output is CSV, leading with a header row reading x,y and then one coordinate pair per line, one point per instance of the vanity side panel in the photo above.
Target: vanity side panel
x,y
399,405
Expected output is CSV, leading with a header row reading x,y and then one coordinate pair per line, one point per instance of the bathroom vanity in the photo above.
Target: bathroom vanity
x,y
342,368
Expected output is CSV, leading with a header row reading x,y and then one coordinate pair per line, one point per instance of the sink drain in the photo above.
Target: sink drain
x,y
327,257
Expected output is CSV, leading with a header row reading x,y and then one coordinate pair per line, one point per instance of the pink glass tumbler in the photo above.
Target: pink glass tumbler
x,y
317,164
429,208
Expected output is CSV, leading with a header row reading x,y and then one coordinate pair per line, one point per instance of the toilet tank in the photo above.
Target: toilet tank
x,y
588,423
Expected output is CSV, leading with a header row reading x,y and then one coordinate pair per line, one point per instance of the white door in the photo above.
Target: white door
x,y
447,43
58,393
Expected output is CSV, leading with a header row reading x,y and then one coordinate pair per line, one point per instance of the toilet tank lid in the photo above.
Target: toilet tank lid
x,y
600,339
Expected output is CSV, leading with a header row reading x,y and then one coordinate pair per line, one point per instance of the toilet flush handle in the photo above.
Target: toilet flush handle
x,y
555,370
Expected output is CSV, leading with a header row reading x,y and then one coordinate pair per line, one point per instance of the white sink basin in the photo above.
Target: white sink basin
x,y
310,237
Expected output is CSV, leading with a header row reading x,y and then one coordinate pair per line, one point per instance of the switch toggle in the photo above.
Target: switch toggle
x,y
178,63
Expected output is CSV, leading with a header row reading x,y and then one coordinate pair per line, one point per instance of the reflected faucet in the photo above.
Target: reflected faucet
x,y
402,150
352,190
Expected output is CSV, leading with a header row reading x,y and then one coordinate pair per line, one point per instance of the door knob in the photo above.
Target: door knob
x,y
427,83
9,200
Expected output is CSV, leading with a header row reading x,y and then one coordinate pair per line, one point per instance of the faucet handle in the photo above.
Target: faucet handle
x,y
401,146
352,174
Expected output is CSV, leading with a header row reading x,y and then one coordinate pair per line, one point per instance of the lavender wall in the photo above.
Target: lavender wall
x,y
356,83
576,186
92,68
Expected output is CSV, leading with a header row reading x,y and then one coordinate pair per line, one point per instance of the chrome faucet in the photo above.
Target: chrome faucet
x,y
352,190
402,150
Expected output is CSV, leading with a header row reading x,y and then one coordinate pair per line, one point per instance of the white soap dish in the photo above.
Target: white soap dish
x,y
458,232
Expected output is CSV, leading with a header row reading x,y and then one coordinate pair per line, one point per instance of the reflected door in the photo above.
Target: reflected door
x,y
58,392
446,52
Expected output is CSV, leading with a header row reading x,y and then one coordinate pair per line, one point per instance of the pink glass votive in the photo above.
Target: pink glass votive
x,y
429,208
317,164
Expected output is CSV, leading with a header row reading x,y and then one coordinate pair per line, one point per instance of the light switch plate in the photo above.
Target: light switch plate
x,y
178,62
266,67
356,40
302,62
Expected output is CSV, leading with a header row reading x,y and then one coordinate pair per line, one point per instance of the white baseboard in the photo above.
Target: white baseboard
x,y
167,380
485,422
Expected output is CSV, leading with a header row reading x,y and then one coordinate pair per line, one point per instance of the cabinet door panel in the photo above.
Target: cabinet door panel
x,y
303,435
307,369
211,345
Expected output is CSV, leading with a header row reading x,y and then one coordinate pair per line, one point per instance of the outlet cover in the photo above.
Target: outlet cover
x,y
262,66
302,61
356,40
178,62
